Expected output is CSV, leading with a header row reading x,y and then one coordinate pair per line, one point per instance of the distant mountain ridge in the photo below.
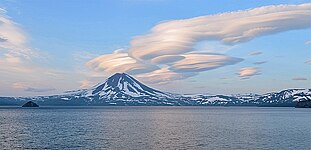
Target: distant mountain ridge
x,y
122,89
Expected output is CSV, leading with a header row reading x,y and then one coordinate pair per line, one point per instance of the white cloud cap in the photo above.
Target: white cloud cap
x,y
119,62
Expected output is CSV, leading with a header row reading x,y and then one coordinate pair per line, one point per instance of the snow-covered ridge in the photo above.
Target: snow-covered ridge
x,y
286,96
122,89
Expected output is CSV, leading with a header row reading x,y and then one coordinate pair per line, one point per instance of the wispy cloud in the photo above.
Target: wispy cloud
x,y
19,85
85,84
255,53
26,87
13,39
248,72
300,78
17,59
39,90
308,42
14,42
83,56
308,62
259,62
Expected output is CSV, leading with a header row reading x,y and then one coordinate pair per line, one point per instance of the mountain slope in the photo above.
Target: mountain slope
x,y
123,86
122,89
222,100
118,89
287,97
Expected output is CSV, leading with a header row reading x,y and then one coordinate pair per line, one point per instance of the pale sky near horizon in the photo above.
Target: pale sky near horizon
x,y
197,46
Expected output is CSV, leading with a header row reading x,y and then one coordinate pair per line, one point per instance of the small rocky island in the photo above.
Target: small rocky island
x,y
30,104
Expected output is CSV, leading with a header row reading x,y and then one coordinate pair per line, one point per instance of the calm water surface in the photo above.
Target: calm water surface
x,y
155,128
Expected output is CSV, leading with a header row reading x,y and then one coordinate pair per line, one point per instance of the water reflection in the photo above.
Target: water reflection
x,y
155,128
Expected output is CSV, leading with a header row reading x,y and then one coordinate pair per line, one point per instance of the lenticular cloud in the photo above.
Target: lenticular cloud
x,y
179,36
168,52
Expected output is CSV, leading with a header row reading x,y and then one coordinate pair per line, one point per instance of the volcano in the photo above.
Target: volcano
x,y
124,86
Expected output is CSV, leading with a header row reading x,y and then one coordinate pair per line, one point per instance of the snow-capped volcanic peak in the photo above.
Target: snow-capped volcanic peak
x,y
122,85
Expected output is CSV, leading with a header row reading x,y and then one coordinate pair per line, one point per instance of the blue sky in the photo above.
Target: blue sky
x,y
64,38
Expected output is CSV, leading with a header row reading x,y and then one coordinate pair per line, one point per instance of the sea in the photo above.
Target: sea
x,y
153,127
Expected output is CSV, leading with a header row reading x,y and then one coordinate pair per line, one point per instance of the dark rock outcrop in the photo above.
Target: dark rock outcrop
x,y
30,104
304,104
